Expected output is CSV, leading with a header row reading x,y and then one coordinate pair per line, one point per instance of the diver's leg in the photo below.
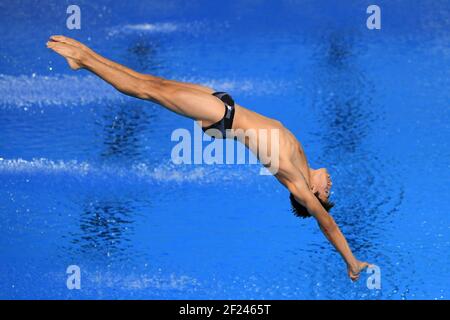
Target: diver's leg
x,y
185,101
125,69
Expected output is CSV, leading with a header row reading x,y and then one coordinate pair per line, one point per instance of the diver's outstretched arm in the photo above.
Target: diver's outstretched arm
x,y
328,227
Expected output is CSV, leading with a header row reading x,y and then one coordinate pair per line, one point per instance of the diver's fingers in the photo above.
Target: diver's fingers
x,y
354,277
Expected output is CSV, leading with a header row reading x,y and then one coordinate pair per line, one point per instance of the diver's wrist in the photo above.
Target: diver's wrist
x,y
352,264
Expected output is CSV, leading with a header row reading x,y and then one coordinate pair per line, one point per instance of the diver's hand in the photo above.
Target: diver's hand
x,y
354,271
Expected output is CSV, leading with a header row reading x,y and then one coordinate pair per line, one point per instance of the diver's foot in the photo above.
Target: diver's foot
x,y
73,55
72,42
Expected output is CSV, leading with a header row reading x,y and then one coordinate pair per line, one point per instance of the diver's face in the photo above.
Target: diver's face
x,y
321,182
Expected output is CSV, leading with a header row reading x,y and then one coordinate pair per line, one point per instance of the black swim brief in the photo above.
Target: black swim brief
x,y
227,121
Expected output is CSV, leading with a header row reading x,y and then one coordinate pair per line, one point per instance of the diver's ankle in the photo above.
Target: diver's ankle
x,y
85,59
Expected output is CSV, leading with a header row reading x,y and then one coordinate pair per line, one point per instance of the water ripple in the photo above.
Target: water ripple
x,y
35,90
167,172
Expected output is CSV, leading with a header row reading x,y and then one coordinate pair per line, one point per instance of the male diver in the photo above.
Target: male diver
x,y
309,189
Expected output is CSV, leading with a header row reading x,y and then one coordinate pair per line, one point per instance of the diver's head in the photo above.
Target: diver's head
x,y
320,182
320,185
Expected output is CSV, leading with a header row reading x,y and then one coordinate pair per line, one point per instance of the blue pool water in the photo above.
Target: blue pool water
x,y
86,177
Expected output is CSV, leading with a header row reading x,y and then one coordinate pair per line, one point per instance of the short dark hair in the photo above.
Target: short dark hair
x,y
301,212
